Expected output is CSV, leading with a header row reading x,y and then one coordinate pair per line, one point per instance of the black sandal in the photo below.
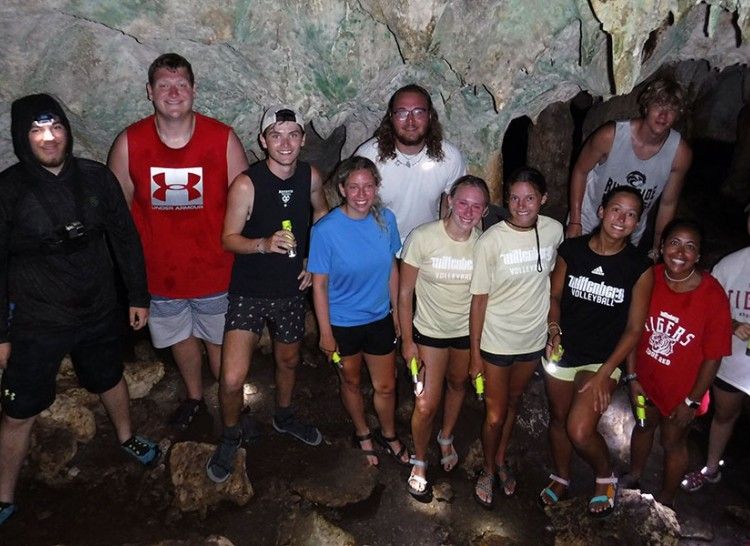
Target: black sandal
x,y
368,452
385,444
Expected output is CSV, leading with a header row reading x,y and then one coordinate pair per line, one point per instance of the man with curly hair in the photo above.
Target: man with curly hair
x,y
416,164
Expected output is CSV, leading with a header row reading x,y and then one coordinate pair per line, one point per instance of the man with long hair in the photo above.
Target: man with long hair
x,y
416,164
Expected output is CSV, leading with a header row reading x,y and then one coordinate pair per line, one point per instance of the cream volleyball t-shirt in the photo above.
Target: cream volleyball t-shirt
x,y
442,287
505,268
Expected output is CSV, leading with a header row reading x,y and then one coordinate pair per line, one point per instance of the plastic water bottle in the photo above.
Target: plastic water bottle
x,y
414,371
479,386
286,225
640,410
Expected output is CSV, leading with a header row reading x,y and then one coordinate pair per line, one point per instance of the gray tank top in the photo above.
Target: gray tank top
x,y
624,168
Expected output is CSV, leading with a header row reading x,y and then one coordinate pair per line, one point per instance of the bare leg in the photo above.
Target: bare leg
x,y
727,406
520,375
641,441
590,445
560,396
351,397
287,359
213,352
674,442
235,364
15,435
425,406
117,403
457,374
188,355
382,370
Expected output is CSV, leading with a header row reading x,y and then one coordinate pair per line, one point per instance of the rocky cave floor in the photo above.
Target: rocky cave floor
x,y
104,498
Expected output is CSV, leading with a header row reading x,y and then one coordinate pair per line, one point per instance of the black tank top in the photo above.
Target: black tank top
x,y
274,275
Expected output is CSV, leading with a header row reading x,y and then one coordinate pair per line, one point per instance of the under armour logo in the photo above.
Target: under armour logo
x,y
7,393
174,187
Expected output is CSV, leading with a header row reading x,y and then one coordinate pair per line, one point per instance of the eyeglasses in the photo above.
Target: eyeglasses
x,y
402,113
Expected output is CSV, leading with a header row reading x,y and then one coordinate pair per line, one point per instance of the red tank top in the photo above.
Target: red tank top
x,y
179,202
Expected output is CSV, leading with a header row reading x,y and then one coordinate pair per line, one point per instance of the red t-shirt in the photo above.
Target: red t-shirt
x,y
178,207
682,330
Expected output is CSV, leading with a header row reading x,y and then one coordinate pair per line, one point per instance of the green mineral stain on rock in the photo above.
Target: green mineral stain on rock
x,y
118,14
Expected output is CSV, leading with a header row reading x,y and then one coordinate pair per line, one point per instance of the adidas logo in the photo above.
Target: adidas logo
x,y
598,271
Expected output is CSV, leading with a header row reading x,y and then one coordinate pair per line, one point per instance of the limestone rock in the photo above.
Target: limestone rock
x,y
69,413
345,478
442,491
193,491
740,513
53,446
82,397
637,519
312,529
491,538
142,376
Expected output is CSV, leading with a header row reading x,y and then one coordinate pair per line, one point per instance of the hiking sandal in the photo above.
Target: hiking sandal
x,y
485,484
367,452
417,485
608,499
508,483
386,442
449,462
549,493
693,481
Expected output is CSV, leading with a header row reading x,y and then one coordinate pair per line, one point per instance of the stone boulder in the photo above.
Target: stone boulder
x,y
142,376
193,491
345,478
637,519
312,529
69,413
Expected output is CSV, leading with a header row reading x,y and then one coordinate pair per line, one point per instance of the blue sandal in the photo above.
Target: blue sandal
x,y
609,498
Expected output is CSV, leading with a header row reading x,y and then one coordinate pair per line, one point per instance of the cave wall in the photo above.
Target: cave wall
x,y
485,61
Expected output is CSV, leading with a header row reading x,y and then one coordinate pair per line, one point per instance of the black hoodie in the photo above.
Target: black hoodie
x,y
45,284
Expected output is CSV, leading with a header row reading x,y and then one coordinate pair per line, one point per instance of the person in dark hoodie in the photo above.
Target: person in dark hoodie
x,y
57,283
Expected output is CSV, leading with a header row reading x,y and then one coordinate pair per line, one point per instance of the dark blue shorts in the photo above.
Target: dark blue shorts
x,y
374,338
29,385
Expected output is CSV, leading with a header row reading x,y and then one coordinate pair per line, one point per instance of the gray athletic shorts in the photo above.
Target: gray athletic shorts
x,y
173,320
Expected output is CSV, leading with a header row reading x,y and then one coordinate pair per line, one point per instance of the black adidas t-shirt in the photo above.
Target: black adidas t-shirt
x,y
595,299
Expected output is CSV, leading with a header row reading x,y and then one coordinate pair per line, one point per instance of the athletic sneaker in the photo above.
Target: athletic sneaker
x,y
7,509
185,413
288,424
144,450
221,464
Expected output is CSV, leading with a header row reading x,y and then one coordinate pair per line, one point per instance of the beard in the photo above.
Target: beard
x,y
412,138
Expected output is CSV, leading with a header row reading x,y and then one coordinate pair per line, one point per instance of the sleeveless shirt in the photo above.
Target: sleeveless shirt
x,y
624,168
179,201
274,275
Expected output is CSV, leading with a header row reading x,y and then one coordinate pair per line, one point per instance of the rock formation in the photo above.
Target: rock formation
x,y
486,62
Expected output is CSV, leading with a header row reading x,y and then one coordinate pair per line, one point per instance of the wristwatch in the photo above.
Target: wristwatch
x,y
692,403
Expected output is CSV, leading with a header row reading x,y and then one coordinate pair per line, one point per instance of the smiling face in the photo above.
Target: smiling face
x,y
681,251
171,92
283,142
49,142
621,215
468,205
524,202
359,192
660,117
410,117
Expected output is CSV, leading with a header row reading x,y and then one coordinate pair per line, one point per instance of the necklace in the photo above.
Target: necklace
x,y
410,161
679,280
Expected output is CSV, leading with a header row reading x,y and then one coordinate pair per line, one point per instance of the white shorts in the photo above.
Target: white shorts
x,y
173,320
